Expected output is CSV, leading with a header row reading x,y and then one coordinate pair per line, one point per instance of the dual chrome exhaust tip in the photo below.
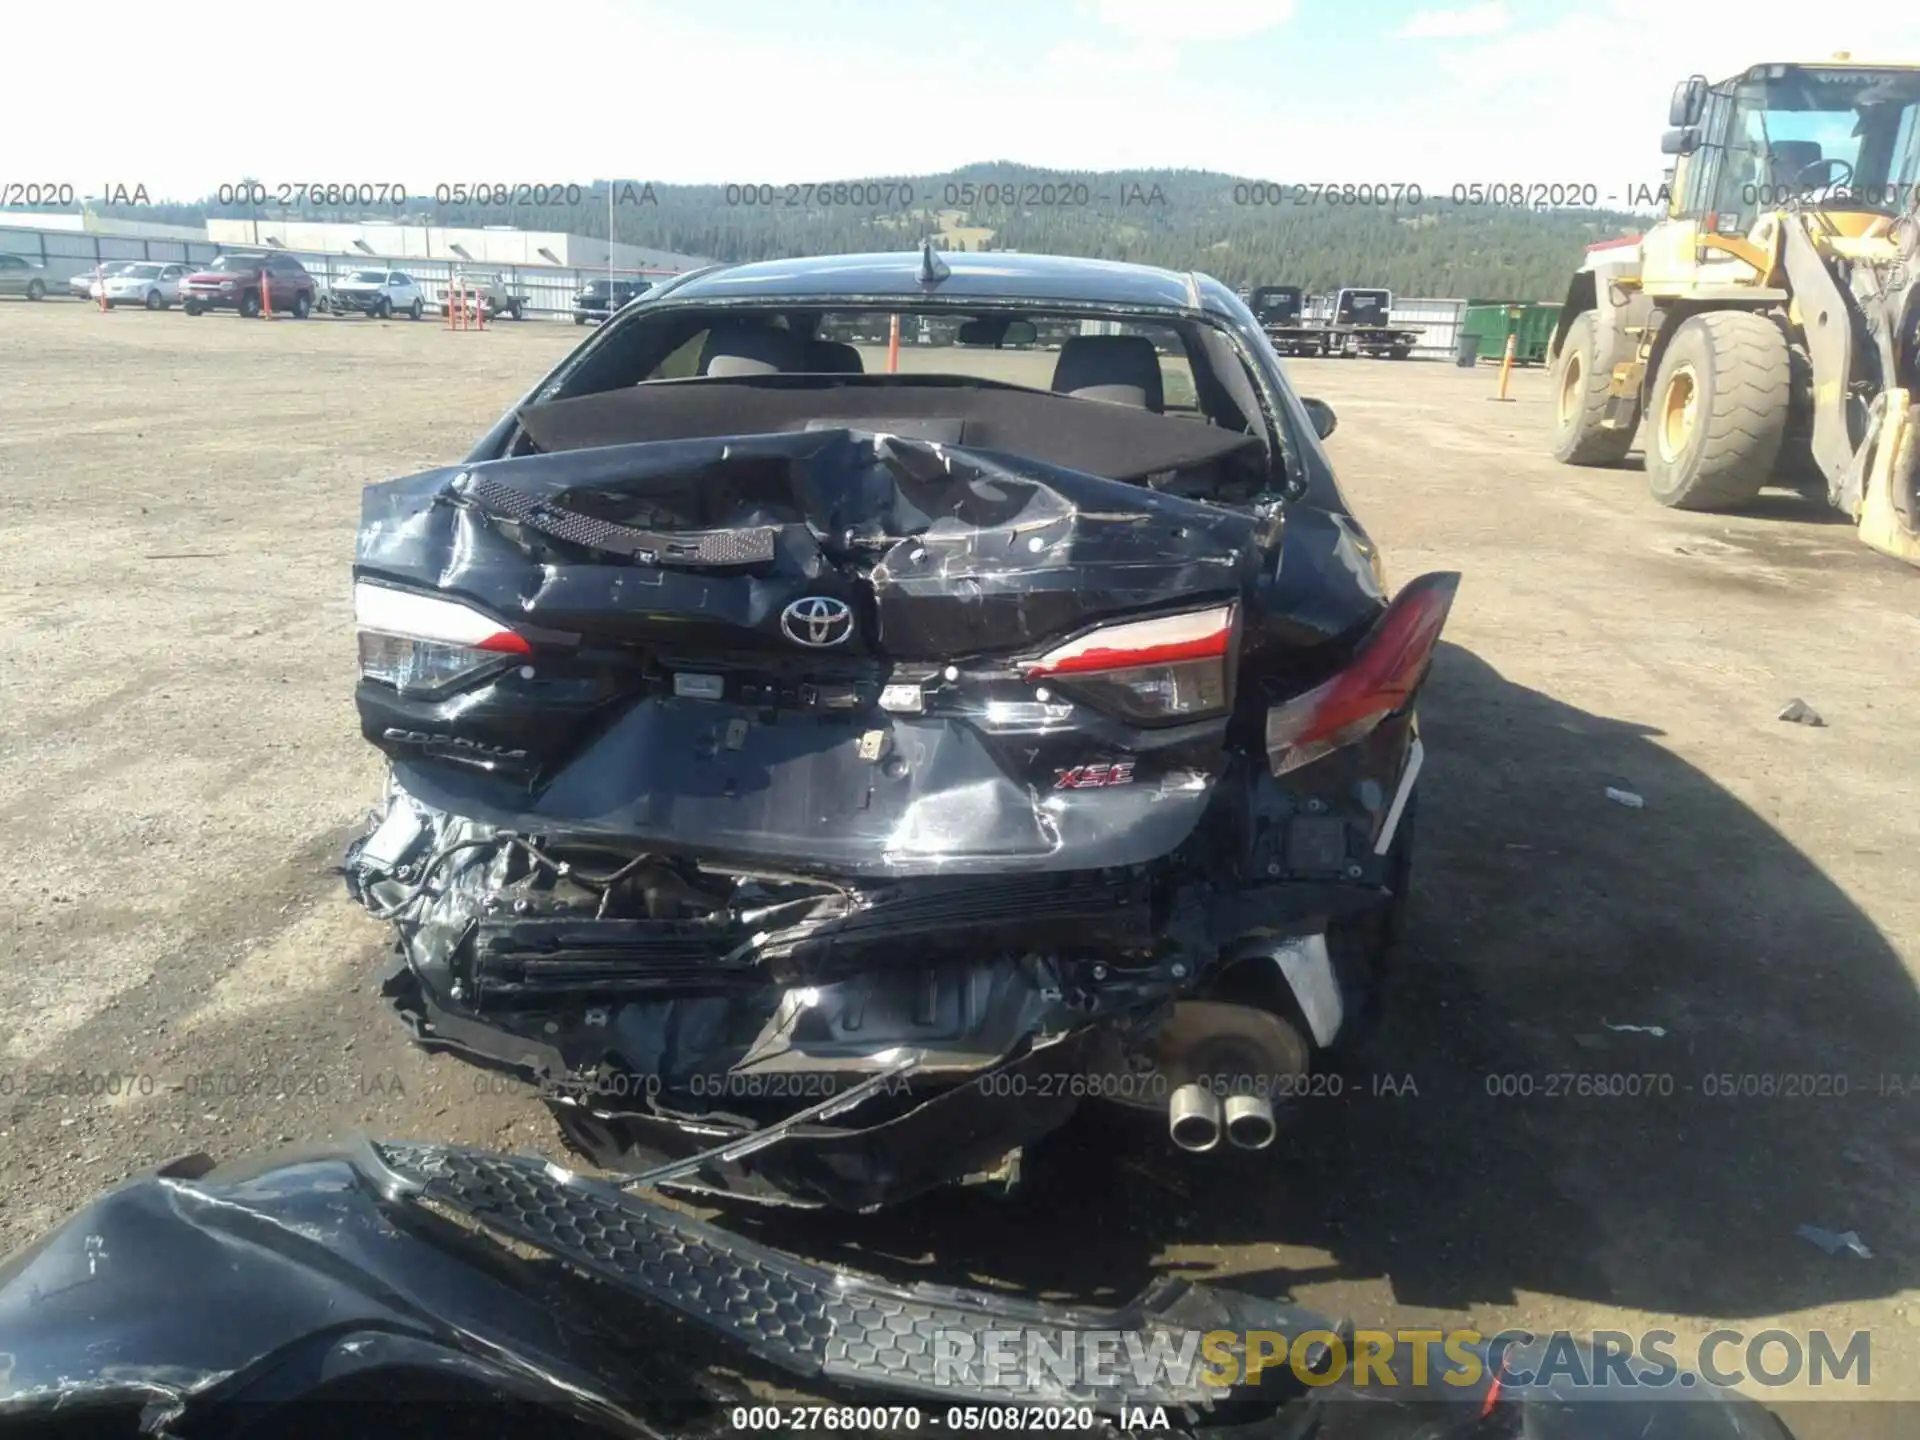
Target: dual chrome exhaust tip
x,y
1197,1119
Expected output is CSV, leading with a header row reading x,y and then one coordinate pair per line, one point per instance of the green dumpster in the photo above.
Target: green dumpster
x,y
1530,322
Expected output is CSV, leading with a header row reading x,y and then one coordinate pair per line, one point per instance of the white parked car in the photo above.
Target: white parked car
x,y
81,286
152,283
379,293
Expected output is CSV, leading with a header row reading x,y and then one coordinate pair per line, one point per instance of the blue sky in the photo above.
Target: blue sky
x,y
789,90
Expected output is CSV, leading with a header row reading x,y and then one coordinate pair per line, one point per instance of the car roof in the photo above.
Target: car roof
x,y
999,275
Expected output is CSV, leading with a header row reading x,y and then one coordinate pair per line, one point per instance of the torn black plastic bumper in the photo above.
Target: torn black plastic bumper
x,y
392,1271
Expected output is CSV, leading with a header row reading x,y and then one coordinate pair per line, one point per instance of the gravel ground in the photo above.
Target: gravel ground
x,y
180,766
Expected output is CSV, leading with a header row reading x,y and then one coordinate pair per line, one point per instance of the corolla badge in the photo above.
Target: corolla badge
x,y
818,621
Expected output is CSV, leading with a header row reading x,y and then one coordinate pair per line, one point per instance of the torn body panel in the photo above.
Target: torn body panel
x,y
750,765
514,1297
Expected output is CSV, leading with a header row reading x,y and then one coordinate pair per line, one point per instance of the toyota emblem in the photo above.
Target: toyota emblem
x,y
819,621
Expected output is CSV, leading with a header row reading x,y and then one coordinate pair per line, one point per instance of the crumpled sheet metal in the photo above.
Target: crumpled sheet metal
x,y
1028,550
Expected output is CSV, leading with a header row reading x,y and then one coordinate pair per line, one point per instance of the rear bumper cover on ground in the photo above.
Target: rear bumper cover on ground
x,y
361,1259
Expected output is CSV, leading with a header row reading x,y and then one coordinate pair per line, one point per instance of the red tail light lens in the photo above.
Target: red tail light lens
x,y
423,644
1380,680
1171,667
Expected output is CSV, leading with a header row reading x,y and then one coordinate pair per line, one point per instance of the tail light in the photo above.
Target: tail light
x,y
1386,669
1172,667
423,644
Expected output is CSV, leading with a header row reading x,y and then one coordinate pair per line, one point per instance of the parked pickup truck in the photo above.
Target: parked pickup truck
x,y
497,298
600,298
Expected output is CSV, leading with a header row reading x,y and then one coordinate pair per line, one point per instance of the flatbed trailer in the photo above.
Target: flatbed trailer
x,y
1358,325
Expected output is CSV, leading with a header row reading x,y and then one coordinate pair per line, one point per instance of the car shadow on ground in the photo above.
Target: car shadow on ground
x,y
1546,920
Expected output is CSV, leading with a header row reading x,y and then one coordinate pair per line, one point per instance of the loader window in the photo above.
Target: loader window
x,y
1816,136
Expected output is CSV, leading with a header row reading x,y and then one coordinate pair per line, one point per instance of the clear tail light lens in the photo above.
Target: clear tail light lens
x,y
423,644
1386,669
1171,667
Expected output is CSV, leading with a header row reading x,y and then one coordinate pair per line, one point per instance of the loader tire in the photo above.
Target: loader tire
x,y
1719,411
1580,380
1796,468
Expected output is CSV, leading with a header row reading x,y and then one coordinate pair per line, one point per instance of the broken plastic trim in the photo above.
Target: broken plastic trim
x,y
747,545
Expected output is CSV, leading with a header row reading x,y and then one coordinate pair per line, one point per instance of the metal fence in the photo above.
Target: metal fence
x,y
547,289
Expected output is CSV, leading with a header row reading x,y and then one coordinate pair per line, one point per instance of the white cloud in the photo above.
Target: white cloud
x,y
1192,20
1473,21
1116,63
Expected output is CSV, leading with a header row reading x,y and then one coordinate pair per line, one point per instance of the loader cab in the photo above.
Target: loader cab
x,y
1835,137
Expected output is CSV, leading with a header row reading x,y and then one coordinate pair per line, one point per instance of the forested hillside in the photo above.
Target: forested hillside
x,y
1244,232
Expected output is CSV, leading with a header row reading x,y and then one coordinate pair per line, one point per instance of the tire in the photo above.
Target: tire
x,y
579,319
416,310
194,307
516,310
1797,469
382,309
1719,411
250,305
1580,380
302,305
36,291
1400,352
153,300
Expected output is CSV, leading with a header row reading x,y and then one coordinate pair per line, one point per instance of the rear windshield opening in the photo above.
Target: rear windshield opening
x,y
1026,352
1171,403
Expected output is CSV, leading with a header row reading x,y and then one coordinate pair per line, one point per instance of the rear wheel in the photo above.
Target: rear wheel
x,y
1719,411
302,305
36,291
1580,400
416,310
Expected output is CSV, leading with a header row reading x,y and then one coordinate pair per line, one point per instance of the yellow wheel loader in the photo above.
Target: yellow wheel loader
x,y
1767,329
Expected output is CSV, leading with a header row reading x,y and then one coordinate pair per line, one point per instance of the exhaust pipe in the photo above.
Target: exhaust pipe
x,y
1249,1121
1193,1118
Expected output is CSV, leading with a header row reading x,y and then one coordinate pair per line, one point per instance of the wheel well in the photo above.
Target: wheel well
x,y
1580,298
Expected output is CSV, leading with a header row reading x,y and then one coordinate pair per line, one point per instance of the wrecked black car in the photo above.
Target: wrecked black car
x,y
843,762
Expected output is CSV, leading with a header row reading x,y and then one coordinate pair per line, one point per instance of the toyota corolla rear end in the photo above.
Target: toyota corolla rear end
x,y
847,808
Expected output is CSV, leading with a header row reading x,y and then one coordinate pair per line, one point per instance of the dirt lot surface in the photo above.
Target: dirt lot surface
x,y
180,766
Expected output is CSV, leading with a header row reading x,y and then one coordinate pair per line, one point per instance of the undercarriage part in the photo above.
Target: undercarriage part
x,y
925,1136
1231,1049
1194,1118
